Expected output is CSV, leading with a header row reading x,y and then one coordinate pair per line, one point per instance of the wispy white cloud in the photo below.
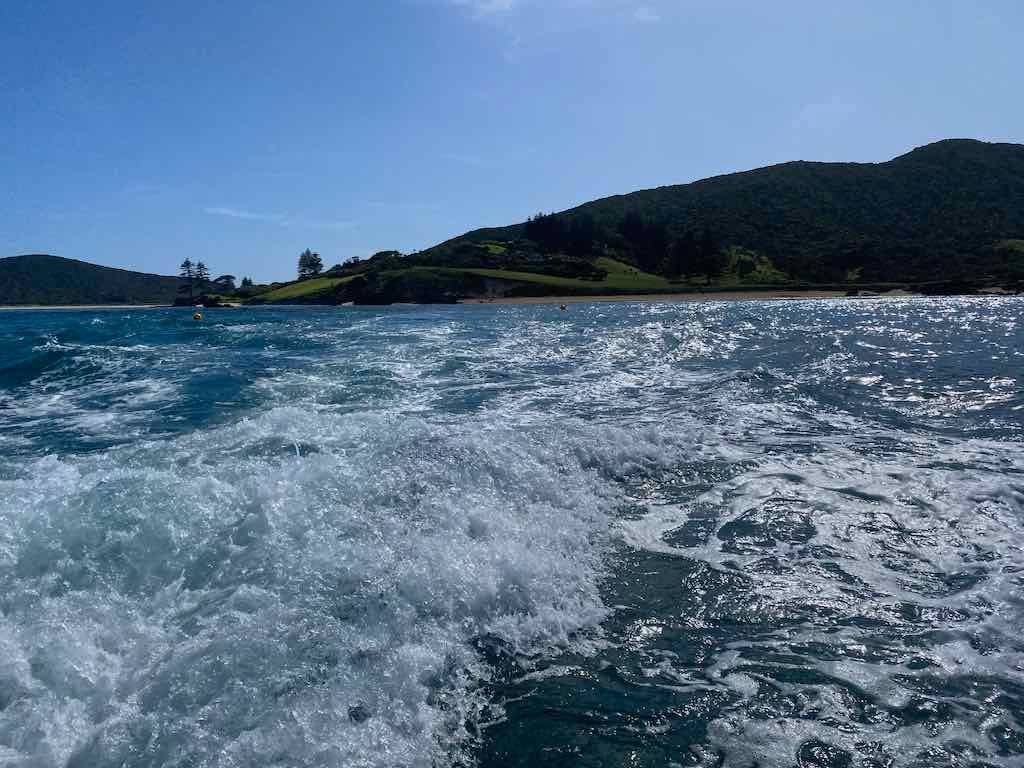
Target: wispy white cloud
x,y
641,11
279,219
240,213
486,7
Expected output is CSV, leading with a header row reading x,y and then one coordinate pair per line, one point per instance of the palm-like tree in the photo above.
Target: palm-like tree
x,y
188,274
310,264
202,273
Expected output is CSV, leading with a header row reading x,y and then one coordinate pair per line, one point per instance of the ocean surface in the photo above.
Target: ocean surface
x,y
657,534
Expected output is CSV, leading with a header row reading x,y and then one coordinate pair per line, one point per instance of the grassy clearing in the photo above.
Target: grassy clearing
x,y
303,288
620,278
430,283
625,278
628,277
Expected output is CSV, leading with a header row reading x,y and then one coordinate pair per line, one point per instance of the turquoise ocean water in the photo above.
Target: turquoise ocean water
x,y
658,534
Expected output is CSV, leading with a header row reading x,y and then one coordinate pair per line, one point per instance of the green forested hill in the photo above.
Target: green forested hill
x,y
43,279
937,212
946,217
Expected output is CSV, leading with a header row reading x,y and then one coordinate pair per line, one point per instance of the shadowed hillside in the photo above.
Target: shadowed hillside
x,y
944,218
937,212
43,279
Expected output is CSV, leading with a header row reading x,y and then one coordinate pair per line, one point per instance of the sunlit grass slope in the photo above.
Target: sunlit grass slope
x,y
621,278
303,289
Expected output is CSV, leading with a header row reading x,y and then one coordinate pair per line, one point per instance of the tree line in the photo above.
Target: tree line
x,y
197,276
651,243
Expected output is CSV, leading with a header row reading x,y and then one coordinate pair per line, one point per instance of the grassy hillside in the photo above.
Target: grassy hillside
x,y
949,215
301,291
440,283
935,212
620,278
48,280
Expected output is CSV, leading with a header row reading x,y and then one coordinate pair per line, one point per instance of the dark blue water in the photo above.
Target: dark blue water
x,y
709,534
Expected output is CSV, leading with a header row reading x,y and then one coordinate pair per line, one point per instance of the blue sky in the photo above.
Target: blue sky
x,y
240,132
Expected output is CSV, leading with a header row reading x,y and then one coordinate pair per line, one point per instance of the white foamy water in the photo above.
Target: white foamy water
x,y
924,544
709,534
217,599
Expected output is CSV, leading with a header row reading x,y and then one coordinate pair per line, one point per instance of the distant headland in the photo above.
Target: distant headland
x,y
945,218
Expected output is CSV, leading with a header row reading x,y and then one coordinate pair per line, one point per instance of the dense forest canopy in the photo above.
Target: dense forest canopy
x,y
938,211
950,212
44,279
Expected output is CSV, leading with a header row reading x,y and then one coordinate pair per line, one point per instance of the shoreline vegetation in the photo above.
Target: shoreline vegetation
x,y
749,295
692,296
484,286
943,219
525,300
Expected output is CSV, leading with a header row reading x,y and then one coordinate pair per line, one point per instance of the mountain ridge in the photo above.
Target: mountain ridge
x,y
951,211
46,279
938,206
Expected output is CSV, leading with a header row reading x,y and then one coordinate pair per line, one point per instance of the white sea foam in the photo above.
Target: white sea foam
x,y
344,573
216,599
893,533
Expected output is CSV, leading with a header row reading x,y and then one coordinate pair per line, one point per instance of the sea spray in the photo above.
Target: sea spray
x,y
645,534
206,599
